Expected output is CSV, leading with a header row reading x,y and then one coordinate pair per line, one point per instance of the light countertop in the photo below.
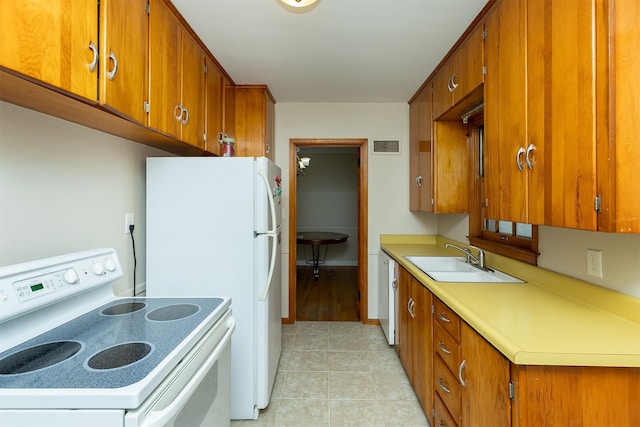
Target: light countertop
x,y
552,319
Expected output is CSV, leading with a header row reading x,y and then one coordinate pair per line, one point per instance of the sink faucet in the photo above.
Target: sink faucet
x,y
479,261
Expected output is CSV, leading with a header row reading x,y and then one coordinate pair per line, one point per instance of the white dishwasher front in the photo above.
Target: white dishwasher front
x,y
387,295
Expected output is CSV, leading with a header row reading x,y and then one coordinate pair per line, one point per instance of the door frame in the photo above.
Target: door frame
x,y
363,232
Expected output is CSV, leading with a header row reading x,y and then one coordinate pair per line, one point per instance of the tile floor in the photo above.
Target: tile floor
x,y
339,374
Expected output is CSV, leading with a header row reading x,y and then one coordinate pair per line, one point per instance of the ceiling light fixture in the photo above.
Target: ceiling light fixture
x,y
298,3
302,163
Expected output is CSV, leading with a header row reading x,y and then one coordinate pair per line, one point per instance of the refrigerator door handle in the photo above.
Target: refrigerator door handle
x,y
273,234
272,204
272,264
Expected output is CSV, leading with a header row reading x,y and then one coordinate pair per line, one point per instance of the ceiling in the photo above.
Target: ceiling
x,y
371,51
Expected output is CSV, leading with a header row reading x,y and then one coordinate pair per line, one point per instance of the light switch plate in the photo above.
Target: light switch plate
x,y
594,262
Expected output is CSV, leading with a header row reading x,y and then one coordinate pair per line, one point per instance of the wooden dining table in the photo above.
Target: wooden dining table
x,y
317,239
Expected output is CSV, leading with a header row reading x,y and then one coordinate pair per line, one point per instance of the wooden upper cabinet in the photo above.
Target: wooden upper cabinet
x,y
123,52
450,167
215,106
254,121
562,98
420,135
505,113
619,153
193,91
461,74
438,161
55,42
176,77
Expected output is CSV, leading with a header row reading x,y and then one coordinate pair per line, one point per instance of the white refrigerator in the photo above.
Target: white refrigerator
x,y
213,229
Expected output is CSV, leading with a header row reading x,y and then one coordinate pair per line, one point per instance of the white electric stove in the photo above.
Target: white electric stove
x,y
72,354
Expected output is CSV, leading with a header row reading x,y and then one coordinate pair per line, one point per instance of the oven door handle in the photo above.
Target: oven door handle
x,y
163,416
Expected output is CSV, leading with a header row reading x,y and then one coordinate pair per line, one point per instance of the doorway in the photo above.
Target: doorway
x,y
360,145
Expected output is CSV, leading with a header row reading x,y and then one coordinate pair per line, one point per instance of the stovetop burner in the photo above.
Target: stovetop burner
x,y
38,357
124,308
173,312
120,355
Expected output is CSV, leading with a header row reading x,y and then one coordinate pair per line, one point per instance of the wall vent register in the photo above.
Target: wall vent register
x,y
389,146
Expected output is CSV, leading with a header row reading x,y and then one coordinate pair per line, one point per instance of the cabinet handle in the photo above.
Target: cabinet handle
x,y
419,181
443,348
111,74
178,111
518,162
94,63
443,318
268,148
443,387
453,85
460,368
186,114
530,163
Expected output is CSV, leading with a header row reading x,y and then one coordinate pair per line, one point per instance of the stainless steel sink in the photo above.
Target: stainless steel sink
x,y
456,269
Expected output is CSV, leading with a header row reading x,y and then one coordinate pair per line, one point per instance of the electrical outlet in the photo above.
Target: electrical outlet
x,y
594,262
128,220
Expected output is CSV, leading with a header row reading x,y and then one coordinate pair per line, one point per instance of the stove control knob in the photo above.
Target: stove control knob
x,y
98,269
70,276
110,265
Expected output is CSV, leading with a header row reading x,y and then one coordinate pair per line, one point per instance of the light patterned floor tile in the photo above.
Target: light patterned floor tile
x,y
305,385
311,342
351,385
303,412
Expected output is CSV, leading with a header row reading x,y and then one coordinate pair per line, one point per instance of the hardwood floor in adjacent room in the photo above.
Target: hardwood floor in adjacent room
x,y
334,296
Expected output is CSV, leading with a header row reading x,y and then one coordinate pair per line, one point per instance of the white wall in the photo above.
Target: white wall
x,y
66,188
388,174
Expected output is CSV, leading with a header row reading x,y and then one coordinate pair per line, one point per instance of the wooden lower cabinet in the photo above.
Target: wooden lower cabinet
x,y
414,336
473,384
575,396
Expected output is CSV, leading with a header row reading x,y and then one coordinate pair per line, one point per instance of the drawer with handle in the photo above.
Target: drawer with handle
x,y
442,416
448,319
446,347
447,387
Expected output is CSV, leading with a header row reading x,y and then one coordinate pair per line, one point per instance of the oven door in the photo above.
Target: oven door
x,y
197,391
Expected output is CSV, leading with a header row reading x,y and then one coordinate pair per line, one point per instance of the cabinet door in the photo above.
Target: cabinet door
x,y
164,69
505,112
467,71
619,154
562,112
442,97
254,121
50,41
215,106
403,334
450,167
420,135
123,50
422,345
193,91
485,379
